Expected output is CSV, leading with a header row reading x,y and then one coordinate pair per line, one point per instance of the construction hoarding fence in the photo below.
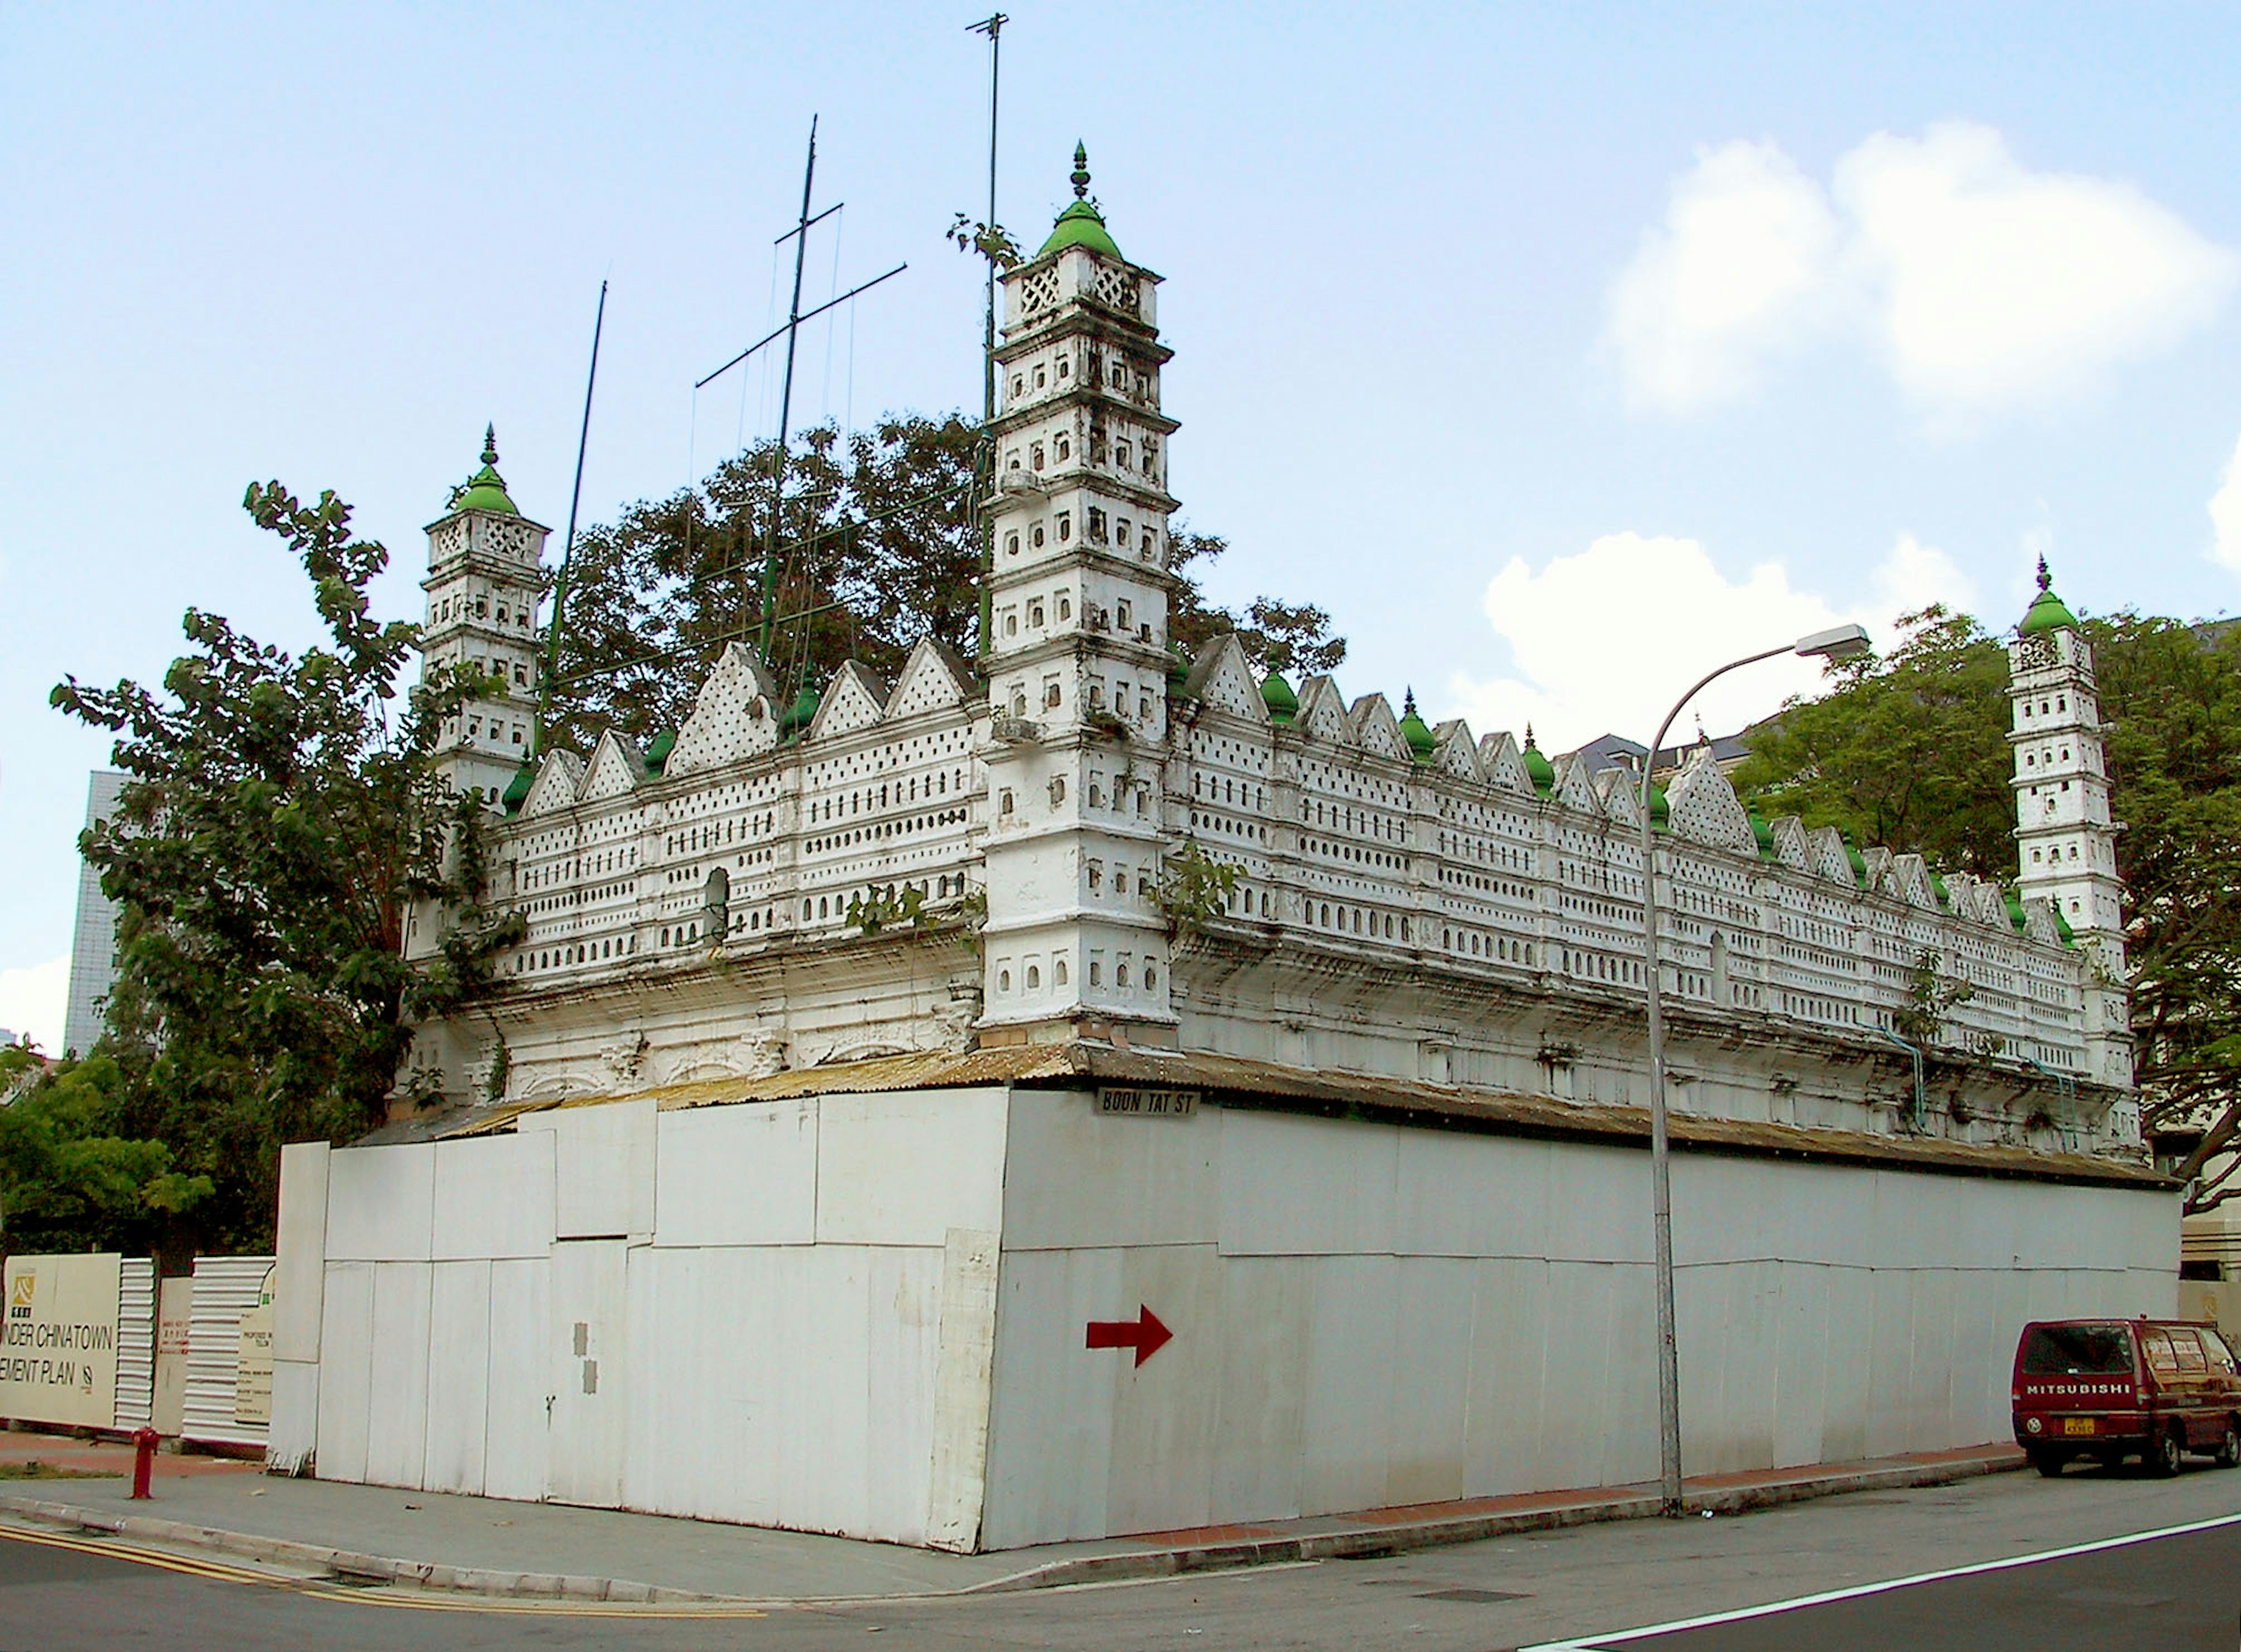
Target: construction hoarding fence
x,y
58,1356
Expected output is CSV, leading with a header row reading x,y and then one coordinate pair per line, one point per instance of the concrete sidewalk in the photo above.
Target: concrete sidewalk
x,y
547,1550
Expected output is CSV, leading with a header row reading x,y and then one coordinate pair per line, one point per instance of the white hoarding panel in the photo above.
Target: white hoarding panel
x,y
136,1343
294,1435
520,1380
1293,1186
603,1168
380,1204
589,1347
458,1375
1266,1311
397,1429
1431,1371
58,1354
964,1370
904,1168
494,1197
1050,1429
1165,1410
302,1230
230,1293
1076,1176
345,1371
736,1175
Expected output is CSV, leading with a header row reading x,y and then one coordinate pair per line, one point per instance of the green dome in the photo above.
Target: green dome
x,y
2016,915
1764,832
2061,923
1080,224
800,714
1661,812
517,791
1537,767
485,489
2048,612
1422,741
1179,667
1859,862
657,755
1276,694
1945,897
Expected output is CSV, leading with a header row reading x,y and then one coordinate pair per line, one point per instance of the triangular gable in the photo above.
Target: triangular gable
x,y
1323,712
732,715
1377,728
616,769
1455,751
1223,679
1703,807
1830,858
1573,788
1614,790
1790,845
2039,921
1961,894
853,699
559,782
1877,859
1909,881
934,679
1498,760
1992,906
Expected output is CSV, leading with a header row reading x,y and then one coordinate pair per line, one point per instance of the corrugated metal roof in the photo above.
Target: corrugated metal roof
x,y
1236,1081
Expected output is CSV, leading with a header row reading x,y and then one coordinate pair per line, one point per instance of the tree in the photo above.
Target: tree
x,y
69,1180
1910,750
878,548
278,813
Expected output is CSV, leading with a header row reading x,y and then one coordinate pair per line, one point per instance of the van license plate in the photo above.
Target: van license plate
x,y
2078,1425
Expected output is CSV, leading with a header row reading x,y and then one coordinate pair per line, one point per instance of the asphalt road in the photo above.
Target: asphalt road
x,y
1583,1587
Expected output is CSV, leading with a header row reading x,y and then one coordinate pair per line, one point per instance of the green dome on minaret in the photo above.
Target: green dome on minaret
x,y
485,489
1080,224
1276,694
1422,742
2048,612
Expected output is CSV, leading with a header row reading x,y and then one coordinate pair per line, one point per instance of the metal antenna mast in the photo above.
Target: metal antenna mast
x,y
791,333
551,665
984,470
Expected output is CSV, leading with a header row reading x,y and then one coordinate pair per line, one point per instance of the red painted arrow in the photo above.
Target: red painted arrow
x,y
1144,1333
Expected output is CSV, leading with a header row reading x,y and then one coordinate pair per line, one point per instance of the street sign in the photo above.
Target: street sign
x,y
1140,1102
1144,1333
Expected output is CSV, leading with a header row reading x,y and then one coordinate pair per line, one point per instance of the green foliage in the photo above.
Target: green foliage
x,y
279,811
879,908
1910,750
992,241
1194,889
1931,996
70,1179
880,549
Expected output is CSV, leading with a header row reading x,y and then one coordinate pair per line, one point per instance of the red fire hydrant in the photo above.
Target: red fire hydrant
x,y
145,1442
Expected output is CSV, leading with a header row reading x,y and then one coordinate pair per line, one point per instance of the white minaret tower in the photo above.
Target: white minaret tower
x,y
1076,656
485,578
2065,835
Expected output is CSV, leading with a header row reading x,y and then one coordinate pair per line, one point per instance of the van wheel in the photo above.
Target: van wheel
x,y
2049,1463
2163,1455
2228,1454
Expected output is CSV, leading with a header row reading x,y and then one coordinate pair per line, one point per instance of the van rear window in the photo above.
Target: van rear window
x,y
2078,1350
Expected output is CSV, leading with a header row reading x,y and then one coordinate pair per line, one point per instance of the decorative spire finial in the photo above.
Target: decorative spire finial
x,y
1080,179
490,444
1528,735
2045,579
1408,703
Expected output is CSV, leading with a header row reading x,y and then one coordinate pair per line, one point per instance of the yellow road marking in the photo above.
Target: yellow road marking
x,y
373,1595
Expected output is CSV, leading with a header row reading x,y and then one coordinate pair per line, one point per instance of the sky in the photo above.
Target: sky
x,y
1560,352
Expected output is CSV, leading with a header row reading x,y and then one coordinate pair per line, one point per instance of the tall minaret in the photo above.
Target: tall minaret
x,y
1077,657
2065,835
485,581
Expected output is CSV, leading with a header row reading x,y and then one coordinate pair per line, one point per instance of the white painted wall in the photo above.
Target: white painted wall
x,y
1366,1315
786,1312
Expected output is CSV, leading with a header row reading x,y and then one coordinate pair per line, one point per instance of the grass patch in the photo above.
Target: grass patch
x,y
32,1468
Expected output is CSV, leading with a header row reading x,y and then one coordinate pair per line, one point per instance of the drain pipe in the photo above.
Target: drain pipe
x,y
1920,1126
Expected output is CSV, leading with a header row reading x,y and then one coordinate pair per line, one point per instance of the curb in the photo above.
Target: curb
x,y
348,1567
1373,1542
1350,1542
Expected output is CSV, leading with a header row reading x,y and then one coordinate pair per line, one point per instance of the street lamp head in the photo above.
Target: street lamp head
x,y
1838,642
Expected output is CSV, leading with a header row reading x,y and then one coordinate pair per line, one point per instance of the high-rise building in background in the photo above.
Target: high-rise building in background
x,y
93,943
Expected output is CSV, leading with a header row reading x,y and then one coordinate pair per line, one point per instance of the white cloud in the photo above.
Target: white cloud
x,y
1741,268
1607,639
1983,285
32,1000
2225,514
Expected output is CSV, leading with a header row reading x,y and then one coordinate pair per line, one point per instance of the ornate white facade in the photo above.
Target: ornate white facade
x,y
1412,903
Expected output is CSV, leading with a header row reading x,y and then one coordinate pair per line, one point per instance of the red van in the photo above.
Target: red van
x,y
2109,1389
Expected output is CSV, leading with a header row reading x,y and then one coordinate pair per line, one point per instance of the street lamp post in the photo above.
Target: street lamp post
x,y
1840,643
